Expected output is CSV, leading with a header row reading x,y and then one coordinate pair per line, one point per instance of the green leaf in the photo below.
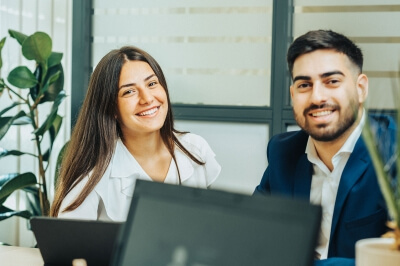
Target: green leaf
x,y
52,116
379,166
6,122
53,132
54,77
21,77
9,108
18,182
46,124
33,200
37,47
57,125
58,100
2,86
2,42
54,59
6,213
24,120
20,37
49,81
34,91
7,177
54,88
4,153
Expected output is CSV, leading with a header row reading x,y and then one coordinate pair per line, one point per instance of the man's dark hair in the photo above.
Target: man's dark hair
x,y
324,39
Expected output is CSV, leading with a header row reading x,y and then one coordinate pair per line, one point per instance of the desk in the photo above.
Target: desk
x,y
20,256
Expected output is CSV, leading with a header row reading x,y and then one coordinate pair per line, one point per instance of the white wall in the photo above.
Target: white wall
x,y
28,16
240,149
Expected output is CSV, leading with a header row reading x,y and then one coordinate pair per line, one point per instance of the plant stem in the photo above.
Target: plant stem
x,y
15,93
42,190
44,202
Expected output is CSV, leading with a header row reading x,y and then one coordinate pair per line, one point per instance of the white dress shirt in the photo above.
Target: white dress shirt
x,y
111,198
324,185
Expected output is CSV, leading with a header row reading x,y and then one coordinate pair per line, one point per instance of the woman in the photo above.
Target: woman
x,y
125,132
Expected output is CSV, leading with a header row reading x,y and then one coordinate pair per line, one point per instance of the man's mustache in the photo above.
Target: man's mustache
x,y
321,106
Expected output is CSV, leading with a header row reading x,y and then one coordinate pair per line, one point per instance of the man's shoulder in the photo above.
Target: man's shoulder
x,y
290,138
288,145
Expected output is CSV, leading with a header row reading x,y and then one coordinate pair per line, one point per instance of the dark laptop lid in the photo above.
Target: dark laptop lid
x,y
62,240
176,225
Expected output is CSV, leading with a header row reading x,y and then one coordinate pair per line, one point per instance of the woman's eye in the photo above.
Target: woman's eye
x,y
152,84
128,92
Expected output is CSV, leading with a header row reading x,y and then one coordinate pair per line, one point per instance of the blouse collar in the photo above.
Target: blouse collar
x,y
125,167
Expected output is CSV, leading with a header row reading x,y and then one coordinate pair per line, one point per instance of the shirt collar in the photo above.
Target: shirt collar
x,y
184,163
124,165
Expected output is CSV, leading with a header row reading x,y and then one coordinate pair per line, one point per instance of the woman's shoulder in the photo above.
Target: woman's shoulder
x,y
190,138
193,142
198,146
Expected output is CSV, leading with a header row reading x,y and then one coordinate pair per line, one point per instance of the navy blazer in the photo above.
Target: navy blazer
x,y
360,211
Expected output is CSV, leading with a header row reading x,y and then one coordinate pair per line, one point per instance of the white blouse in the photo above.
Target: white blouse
x,y
111,198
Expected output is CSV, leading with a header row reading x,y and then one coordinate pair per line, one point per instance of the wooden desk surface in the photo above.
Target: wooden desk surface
x,y
20,256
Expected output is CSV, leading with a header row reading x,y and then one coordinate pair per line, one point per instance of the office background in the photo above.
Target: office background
x,y
224,62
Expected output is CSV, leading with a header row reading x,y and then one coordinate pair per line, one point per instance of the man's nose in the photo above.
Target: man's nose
x,y
319,93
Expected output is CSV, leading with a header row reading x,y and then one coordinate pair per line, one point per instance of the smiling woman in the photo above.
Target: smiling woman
x,y
125,131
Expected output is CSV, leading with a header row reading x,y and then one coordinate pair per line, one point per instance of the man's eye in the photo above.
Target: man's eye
x,y
303,85
333,82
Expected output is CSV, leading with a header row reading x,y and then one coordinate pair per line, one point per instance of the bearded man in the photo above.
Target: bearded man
x,y
327,162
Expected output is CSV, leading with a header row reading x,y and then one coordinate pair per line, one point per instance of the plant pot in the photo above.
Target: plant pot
x,y
376,252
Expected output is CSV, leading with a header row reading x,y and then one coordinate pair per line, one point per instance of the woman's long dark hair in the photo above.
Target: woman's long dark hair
x,y
96,131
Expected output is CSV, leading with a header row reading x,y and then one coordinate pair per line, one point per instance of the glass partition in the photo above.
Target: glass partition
x,y
374,26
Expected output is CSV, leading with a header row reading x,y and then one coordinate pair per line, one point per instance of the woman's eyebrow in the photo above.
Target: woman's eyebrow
x,y
134,84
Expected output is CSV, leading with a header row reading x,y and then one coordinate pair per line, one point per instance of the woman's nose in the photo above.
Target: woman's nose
x,y
146,97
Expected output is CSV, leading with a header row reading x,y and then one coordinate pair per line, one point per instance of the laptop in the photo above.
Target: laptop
x,y
62,240
174,225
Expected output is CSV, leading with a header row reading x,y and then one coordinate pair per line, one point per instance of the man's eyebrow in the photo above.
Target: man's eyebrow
x,y
327,74
133,84
323,75
301,78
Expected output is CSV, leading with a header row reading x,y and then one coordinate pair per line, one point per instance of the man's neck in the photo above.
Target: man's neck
x,y
327,149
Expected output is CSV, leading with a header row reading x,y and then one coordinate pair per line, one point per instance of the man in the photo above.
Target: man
x,y
327,162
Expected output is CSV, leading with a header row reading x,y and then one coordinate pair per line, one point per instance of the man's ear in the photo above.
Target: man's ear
x,y
362,87
291,91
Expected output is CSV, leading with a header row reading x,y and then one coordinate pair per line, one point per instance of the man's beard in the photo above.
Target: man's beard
x,y
342,126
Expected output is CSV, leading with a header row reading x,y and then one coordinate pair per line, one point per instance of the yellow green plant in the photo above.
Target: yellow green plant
x,y
389,184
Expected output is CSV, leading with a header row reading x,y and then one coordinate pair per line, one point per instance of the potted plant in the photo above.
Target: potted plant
x,y
385,250
29,91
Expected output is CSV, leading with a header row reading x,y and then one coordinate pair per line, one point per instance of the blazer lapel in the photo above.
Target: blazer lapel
x,y
302,179
356,165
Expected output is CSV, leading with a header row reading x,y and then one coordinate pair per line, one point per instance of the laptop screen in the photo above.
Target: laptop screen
x,y
175,226
62,240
